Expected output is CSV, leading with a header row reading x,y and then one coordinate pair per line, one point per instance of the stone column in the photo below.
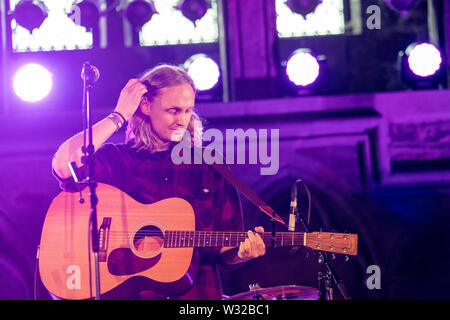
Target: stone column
x,y
251,30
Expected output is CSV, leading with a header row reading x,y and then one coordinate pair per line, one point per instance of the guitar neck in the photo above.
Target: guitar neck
x,y
324,241
189,239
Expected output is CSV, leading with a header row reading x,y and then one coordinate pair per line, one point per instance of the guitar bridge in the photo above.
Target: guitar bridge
x,y
103,235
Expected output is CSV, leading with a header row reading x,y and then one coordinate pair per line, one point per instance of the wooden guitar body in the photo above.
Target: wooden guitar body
x,y
66,261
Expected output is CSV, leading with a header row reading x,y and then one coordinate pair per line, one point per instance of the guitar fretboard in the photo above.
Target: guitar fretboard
x,y
189,239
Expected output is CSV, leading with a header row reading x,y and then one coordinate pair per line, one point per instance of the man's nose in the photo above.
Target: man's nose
x,y
182,119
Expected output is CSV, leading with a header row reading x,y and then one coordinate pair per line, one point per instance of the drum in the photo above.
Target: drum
x,y
291,292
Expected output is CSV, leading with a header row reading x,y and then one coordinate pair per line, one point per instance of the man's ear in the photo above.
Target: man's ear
x,y
145,106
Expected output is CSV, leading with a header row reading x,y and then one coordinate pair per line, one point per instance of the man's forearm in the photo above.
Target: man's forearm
x,y
70,151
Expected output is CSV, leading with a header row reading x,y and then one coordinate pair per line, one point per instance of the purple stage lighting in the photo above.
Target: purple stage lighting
x,y
302,68
424,59
303,7
203,70
194,9
139,12
32,82
89,14
30,14
403,6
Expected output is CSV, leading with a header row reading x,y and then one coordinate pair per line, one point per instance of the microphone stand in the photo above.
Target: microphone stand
x,y
89,78
331,273
326,290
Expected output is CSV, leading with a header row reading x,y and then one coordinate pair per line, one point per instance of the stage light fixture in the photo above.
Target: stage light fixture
x,y
302,68
303,71
303,7
30,14
402,6
139,12
32,82
194,9
203,70
421,65
424,59
87,14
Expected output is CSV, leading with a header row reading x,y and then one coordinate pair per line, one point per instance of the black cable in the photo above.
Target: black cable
x,y
89,256
308,193
309,200
36,266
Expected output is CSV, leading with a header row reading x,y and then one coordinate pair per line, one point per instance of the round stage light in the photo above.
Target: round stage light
x,y
302,68
32,82
424,59
203,70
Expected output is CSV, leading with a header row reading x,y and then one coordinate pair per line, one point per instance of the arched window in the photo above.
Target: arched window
x,y
170,26
57,32
327,19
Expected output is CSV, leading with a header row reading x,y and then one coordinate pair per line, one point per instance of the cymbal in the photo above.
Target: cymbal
x,y
291,292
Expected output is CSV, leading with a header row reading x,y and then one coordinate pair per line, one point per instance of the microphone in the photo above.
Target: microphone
x,y
293,208
90,73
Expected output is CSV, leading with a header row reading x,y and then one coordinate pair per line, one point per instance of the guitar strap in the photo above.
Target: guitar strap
x,y
246,191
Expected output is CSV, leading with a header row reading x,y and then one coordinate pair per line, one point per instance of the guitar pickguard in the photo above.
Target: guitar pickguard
x,y
133,265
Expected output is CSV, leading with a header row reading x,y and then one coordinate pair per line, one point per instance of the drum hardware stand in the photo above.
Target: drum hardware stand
x,y
255,287
325,286
330,276
325,281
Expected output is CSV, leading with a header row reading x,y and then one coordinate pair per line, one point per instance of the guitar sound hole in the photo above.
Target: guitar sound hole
x,y
148,241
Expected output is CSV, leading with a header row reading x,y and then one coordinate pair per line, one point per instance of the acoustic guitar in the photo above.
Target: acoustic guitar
x,y
166,263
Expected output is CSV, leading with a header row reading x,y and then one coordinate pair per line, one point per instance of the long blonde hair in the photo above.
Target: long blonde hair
x,y
140,129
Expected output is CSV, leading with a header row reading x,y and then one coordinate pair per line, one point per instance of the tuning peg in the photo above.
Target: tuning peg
x,y
333,256
346,258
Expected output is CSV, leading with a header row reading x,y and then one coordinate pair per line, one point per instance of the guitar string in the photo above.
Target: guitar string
x,y
232,242
177,235
206,232
177,238
174,233
196,235
212,238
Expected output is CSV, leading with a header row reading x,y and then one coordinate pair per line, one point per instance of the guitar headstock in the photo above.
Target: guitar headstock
x,y
345,243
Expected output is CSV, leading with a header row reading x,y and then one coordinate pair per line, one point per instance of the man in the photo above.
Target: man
x,y
159,110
